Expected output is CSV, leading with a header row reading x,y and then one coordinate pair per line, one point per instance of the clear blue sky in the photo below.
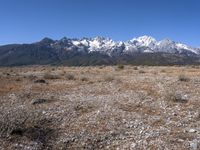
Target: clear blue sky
x,y
26,21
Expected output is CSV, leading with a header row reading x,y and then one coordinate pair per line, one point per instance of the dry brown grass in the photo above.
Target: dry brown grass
x,y
7,87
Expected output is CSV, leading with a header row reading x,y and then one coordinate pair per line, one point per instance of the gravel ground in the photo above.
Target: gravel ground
x,y
136,108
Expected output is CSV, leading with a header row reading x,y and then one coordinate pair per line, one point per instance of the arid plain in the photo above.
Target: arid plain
x,y
103,107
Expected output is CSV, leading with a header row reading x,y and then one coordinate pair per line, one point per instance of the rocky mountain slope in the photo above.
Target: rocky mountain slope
x,y
98,51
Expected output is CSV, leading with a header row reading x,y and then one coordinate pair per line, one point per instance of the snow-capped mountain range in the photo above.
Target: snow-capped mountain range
x,y
144,50
143,44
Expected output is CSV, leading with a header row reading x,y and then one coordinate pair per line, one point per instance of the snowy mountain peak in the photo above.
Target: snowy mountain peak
x,y
143,44
146,39
99,38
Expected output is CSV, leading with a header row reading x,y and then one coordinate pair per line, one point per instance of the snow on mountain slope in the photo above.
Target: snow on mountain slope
x,y
143,44
144,41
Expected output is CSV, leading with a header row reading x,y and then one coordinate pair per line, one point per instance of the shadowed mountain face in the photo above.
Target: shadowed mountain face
x,y
144,50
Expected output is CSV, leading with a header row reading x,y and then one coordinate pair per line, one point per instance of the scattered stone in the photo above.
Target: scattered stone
x,y
192,130
75,115
133,145
194,144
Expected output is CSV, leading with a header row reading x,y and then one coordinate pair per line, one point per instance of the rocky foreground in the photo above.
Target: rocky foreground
x,y
116,107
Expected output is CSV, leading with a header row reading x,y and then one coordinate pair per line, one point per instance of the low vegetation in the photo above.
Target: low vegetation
x,y
108,78
183,78
70,77
51,76
139,107
141,71
120,67
177,97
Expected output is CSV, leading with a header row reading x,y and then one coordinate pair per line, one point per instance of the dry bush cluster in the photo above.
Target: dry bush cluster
x,y
173,95
70,77
120,66
51,76
15,120
109,78
183,78
20,123
141,71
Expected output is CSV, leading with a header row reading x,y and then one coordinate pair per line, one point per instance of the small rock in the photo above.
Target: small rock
x,y
133,145
180,140
194,144
192,131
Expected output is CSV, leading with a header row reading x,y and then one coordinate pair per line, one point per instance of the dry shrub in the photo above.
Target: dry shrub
x,y
31,77
40,81
174,96
53,69
84,79
18,79
83,108
141,71
51,76
109,78
14,120
120,66
195,66
183,78
22,124
70,77
101,67
163,71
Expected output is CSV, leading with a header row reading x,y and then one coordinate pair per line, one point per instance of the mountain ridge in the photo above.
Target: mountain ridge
x,y
97,51
148,43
